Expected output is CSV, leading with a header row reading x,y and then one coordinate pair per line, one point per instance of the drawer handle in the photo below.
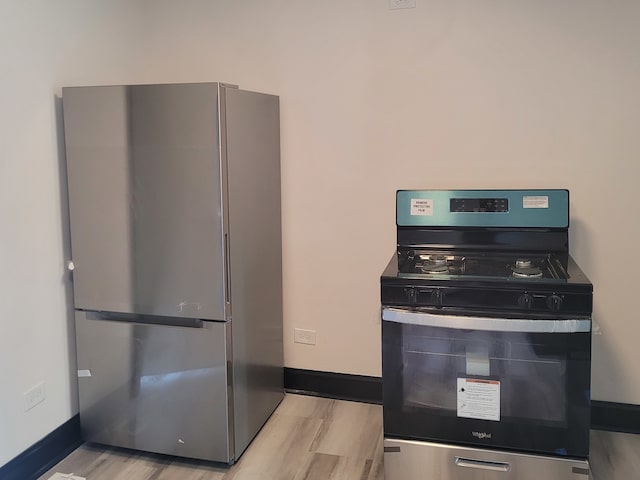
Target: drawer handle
x,y
482,464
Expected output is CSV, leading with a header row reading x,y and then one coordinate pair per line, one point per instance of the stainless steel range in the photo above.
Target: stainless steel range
x,y
486,332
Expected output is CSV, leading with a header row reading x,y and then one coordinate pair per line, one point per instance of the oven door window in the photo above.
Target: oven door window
x,y
530,377
520,390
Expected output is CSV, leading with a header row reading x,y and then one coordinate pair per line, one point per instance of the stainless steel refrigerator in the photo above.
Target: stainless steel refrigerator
x,y
174,199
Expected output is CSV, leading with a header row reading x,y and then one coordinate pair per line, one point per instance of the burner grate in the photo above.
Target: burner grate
x,y
480,264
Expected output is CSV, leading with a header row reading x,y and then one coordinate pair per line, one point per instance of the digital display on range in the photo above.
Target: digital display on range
x,y
472,205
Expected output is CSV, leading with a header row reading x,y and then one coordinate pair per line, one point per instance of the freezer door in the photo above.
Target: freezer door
x,y
143,168
155,387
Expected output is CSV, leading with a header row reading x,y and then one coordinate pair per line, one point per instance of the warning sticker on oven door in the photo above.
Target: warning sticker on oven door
x,y
422,206
479,399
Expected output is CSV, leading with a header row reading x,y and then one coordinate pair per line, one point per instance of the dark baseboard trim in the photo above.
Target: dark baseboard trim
x,y
615,417
610,416
43,455
342,386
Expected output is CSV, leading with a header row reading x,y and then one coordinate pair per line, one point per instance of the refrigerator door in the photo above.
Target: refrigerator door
x,y
143,169
155,387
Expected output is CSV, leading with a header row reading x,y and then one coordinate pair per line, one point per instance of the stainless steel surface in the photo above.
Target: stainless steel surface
x,y
224,192
154,387
175,218
524,325
253,176
145,199
412,460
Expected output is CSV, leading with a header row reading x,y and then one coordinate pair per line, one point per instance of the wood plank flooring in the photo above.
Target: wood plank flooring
x,y
614,456
307,438
310,438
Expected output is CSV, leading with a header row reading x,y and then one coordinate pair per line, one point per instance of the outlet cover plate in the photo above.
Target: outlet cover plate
x,y
397,4
302,335
34,396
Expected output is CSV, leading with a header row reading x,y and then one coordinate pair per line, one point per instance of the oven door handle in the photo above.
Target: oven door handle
x,y
482,464
524,325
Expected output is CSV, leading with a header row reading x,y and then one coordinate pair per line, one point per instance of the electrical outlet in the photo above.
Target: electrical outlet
x,y
396,4
300,335
34,396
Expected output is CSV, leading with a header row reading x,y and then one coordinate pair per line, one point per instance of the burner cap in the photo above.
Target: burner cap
x,y
523,263
434,259
527,272
435,268
438,260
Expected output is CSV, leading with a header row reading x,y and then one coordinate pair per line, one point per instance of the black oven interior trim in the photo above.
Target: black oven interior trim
x,y
608,416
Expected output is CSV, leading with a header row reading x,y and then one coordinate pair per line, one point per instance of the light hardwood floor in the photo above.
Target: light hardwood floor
x,y
310,438
307,438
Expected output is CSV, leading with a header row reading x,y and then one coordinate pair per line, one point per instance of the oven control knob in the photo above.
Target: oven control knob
x,y
437,297
525,300
554,302
412,295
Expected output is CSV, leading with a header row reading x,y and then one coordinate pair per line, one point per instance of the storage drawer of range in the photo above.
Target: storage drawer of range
x,y
524,300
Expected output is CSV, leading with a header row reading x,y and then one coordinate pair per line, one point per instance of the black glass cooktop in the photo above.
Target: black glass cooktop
x,y
446,264
486,281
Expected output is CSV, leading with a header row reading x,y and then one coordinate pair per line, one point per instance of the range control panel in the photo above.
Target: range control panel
x,y
483,208
515,300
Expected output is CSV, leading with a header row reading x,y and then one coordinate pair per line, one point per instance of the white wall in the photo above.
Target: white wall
x,y
451,94
43,45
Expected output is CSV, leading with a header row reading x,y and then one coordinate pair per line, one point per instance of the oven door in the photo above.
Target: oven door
x,y
520,384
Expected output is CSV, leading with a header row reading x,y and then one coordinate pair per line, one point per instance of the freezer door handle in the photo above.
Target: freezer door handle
x,y
482,464
146,319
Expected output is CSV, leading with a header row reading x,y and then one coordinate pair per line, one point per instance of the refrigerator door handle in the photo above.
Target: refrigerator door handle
x,y
147,319
227,270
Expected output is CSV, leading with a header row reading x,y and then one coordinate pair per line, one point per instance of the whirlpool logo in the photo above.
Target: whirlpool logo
x,y
481,435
